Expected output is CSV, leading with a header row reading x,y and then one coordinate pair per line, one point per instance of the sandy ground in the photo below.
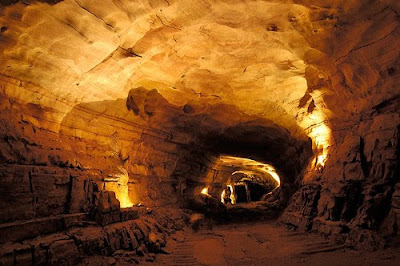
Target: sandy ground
x,y
263,243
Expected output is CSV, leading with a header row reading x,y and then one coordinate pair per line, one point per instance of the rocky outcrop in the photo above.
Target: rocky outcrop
x,y
356,195
139,237
302,208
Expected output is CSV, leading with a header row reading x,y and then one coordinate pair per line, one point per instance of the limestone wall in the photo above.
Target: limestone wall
x,y
355,196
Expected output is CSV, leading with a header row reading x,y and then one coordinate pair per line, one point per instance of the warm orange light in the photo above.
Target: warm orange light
x,y
321,159
204,191
223,196
322,137
262,167
121,191
318,130
232,196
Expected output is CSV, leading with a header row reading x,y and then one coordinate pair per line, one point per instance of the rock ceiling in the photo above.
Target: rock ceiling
x,y
250,167
271,59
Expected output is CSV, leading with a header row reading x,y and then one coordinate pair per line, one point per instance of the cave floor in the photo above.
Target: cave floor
x,y
263,243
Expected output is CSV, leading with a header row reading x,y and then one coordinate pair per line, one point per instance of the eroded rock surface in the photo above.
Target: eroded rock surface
x,y
140,98
139,238
355,196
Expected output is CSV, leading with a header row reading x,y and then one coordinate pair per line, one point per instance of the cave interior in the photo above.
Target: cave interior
x,y
144,132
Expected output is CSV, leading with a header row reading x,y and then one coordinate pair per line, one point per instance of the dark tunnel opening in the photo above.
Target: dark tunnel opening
x,y
266,145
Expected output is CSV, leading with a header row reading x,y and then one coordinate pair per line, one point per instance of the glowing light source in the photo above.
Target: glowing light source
x,y
321,134
232,196
316,127
204,191
223,196
320,161
274,176
248,167
261,167
121,191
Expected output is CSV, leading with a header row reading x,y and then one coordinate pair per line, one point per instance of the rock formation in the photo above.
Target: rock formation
x,y
127,103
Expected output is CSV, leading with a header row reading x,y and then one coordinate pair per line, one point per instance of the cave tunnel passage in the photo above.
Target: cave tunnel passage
x,y
250,181
238,183
242,166
247,191
261,142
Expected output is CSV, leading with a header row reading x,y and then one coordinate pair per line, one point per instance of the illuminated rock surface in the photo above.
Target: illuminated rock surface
x,y
141,98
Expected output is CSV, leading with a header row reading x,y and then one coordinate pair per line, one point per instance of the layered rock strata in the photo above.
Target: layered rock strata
x,y
141,97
